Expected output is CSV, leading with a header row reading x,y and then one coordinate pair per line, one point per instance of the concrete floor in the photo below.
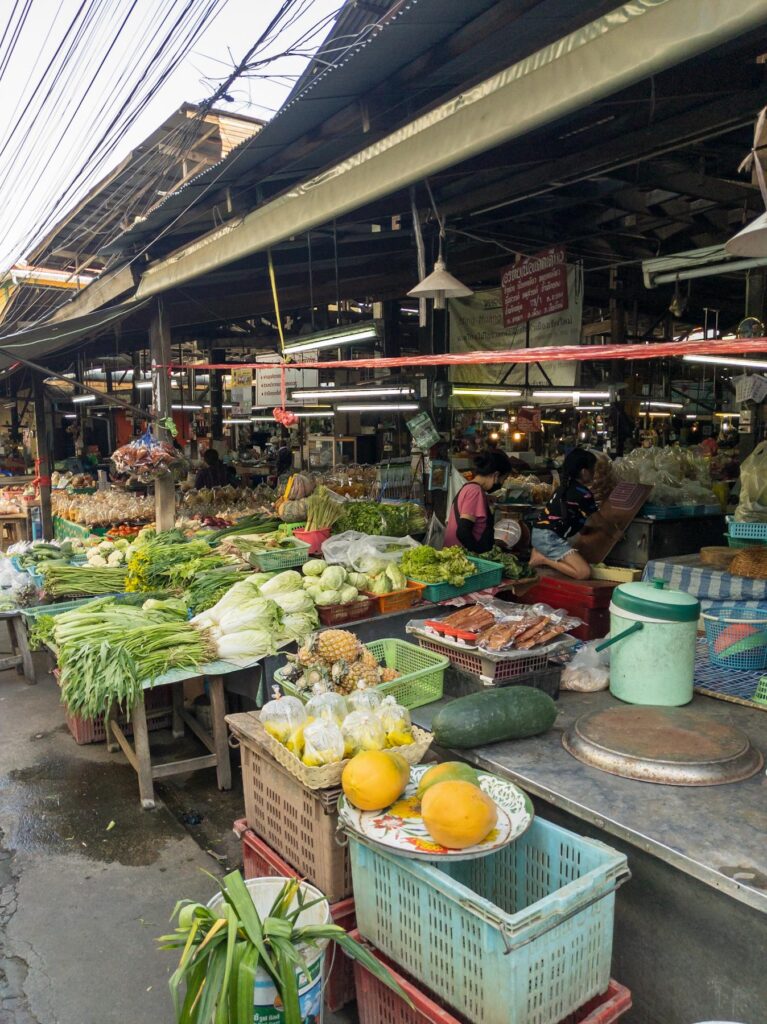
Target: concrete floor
x,y
82,902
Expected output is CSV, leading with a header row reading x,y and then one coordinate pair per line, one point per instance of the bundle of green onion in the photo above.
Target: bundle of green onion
x,y
83,580
210,584
107,654
157,558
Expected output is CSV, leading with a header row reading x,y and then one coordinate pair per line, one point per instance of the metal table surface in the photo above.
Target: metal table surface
x,y
713,833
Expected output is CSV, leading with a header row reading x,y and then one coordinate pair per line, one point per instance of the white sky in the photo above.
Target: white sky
x,y
47,151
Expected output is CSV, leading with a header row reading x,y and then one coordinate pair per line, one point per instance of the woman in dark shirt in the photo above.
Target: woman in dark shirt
x,y
214,473
566,512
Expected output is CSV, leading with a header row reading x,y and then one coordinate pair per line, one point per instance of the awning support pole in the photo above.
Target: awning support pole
x,y
160,349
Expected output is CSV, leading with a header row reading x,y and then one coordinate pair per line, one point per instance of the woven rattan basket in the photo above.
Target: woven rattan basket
x,y
248,729
750,562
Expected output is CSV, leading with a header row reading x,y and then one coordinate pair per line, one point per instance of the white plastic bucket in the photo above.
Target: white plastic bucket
x,y
267,1008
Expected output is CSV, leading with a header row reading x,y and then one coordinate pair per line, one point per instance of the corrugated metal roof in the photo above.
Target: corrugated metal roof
x,y
408,29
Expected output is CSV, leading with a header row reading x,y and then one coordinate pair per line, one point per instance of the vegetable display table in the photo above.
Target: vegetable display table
x,y
20,657
139,754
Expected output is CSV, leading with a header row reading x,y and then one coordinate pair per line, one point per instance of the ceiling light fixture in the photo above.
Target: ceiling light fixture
x,y
236,423
665,405
487,392
440,285
185,408
143,385
330,394
384,407
574,394
757,364
349,335
84,398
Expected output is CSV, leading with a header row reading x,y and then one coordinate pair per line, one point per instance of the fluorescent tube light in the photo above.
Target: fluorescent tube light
x,y
665,405
575,393
334,339
313,415
759,364
487,392
385,407
70,415
656,415
143,385
330,394
84,398
589,408
239,423
727,415
185,408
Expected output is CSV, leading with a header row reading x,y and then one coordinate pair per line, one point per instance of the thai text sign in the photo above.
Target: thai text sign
x,y
533,287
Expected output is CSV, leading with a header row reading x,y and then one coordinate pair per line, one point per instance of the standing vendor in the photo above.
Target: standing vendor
x,y
470,522
563,517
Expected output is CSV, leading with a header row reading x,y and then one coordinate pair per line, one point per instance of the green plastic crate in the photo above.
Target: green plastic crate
x,y
744,542
276,561
422,680
63,529
488,574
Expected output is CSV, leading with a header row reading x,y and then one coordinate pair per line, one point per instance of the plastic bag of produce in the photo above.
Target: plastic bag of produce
x,y
588,671
752,506
364,699
323,744
330,706
362,731
282,716
335,550
366,555
396,722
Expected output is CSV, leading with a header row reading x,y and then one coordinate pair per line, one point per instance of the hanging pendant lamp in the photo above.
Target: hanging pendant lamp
x,y
440,285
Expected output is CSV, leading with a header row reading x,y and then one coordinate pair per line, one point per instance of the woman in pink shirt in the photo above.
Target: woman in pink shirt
x,y
470,522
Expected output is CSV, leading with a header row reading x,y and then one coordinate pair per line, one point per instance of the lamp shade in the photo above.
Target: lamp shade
x,y
440,285
751,241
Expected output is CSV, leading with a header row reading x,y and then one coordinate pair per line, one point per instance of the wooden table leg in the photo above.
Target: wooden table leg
x,y
143,755
112,745
177,694
220,738
20,643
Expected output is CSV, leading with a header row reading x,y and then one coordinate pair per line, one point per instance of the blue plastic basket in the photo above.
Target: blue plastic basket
x,y
747,531
725,627
522,935
488,574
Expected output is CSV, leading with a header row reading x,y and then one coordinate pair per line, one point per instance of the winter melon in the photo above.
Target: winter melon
x,y
508,713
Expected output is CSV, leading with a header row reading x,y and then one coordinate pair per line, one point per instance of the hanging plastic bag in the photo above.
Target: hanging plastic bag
x,y
335,550
752,506
588,671
435,534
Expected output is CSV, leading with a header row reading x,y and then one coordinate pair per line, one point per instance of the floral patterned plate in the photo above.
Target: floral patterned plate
x,y
400,827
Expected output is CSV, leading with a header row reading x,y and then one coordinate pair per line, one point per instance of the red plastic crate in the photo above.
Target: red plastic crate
x,y
260,861
92,730
377,1004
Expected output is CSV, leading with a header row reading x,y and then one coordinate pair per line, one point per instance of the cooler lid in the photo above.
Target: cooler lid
x,y
655,602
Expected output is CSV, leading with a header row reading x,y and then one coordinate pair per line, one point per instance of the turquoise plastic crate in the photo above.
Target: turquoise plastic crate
x,y
488,574
744,542
726,627
422,680
522,935
747,531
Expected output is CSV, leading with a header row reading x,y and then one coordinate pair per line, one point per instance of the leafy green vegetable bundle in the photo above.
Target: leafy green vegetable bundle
x,y
429,566
379,520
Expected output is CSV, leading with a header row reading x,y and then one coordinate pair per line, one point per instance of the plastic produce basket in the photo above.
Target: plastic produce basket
x,y
522,935
743,542
729,625
488,574
298,823
422,680
377,1004
747,531
275,561
399,600
260,861
338,614
158,705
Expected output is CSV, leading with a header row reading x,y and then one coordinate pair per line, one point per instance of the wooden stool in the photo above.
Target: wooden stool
x,y
21,656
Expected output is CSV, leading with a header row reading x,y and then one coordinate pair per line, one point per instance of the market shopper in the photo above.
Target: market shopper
x,y
470,522
214,473
564,516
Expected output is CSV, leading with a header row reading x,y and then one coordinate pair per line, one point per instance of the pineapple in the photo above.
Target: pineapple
x,y
316,678
307,655
336,645
360,676
368,659
389,674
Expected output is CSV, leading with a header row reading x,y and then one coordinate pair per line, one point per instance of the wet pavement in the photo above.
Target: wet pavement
x,y
87,878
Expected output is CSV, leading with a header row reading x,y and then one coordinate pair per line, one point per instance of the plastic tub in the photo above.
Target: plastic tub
x,y
398,600
488,574
478,933
314,538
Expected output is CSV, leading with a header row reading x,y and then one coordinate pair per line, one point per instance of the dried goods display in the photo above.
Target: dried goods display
x,y
104,508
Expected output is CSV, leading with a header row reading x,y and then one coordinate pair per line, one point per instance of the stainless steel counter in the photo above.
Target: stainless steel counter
x,y
716,834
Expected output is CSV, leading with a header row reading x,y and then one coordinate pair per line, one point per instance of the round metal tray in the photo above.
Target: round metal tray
x,y
669,746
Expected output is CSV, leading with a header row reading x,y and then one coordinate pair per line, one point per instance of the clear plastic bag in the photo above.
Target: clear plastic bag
x,y
369,554
364,699
588,671
323,744
329,706
396,722
362,730
282,716
435,534
752,506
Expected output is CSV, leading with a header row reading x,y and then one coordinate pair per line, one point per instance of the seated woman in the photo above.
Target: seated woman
x,y
470,522
567,510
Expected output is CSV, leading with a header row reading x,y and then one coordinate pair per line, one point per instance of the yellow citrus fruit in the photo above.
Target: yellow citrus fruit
x,y
458,814
444,772
374,779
